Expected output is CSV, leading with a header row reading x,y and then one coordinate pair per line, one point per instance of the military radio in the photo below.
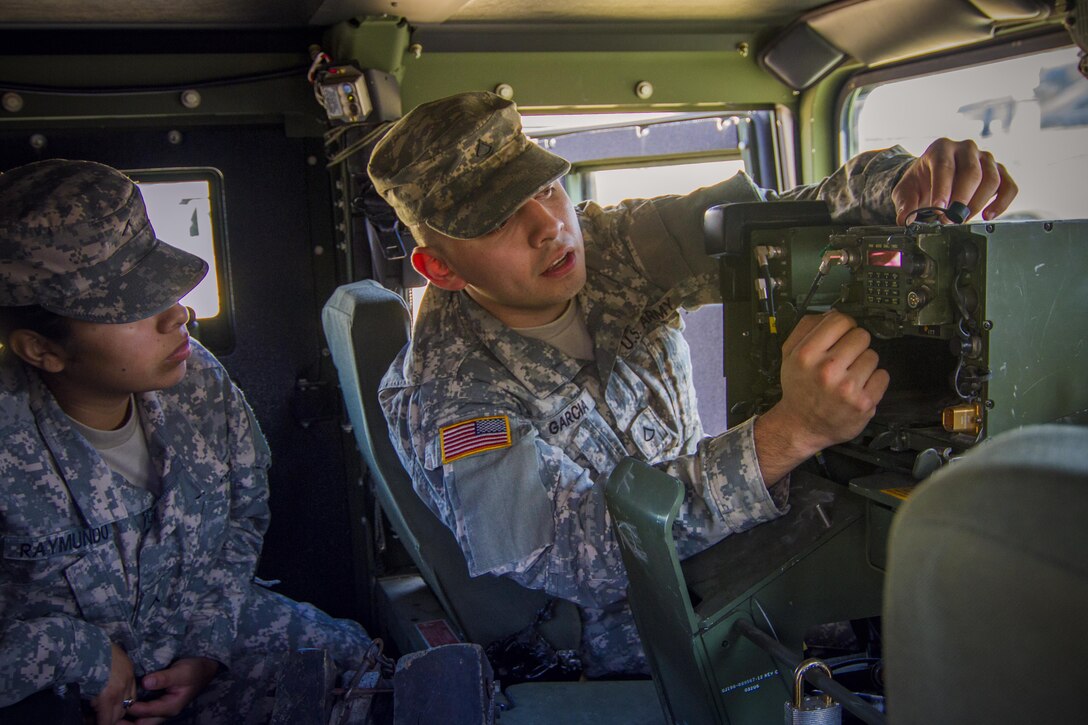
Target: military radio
x,y
982,327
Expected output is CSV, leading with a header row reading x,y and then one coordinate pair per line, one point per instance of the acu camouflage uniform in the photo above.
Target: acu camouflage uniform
x,y
533,509
89,559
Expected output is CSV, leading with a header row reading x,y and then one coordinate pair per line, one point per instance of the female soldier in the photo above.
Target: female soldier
x,y
133,479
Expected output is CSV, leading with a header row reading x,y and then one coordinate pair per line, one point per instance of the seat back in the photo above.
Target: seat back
x,y
987,586
643,503
785,576
366,326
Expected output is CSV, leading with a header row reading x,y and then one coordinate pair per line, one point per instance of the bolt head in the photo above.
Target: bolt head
x,y
12,102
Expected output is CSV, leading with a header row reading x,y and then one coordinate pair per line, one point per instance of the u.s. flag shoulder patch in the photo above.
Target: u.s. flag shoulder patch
x,y
474,436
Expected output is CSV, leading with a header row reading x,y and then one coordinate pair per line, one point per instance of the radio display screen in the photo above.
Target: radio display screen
x,y
885,258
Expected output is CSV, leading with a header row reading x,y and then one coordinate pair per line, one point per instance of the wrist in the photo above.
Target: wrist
x,y
782,443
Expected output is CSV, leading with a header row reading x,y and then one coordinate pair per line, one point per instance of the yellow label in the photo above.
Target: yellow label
x,y
899,493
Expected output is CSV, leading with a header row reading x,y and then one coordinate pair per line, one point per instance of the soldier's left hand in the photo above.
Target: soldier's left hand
x,y
180,683
951,171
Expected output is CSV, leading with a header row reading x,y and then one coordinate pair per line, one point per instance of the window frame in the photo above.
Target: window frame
x,y
215,333
623,145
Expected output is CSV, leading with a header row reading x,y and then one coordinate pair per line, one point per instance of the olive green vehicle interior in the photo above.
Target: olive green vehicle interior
x,y
249,123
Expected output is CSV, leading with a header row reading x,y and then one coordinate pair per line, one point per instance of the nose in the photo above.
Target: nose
x,y
173,317
542,224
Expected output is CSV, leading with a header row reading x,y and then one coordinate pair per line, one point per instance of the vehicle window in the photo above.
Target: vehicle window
x,y
185,210
1031,112
181,213
615,185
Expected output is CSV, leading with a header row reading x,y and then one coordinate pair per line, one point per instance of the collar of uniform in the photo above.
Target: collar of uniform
x,y
613,296
179,440
538,366
88,478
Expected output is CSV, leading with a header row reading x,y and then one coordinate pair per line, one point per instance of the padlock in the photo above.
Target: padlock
x,y
811,709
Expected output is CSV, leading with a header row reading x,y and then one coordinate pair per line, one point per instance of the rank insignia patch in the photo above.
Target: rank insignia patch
x,y
474,436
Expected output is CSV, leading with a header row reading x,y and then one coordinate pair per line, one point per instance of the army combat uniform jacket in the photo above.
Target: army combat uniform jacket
x,y
510,441
89,559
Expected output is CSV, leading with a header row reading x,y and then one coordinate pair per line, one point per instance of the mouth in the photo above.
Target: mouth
x,y
182,352
560,266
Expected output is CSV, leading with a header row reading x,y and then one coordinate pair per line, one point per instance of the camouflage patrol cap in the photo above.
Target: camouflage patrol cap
x,y
75,239
461,165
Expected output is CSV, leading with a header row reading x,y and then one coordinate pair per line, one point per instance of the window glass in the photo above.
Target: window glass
x,y
1031,112
615,185
181,213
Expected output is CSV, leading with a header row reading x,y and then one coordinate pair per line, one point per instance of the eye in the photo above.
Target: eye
x,y
546,192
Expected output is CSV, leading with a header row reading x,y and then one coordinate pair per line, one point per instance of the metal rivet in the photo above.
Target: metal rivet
x,y
190,98
174,137
1048,226
504,90
12,102
989,404
987,325
311,160
644,89
38,141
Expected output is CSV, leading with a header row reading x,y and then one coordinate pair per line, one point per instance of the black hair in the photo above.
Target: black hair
x,y
35,318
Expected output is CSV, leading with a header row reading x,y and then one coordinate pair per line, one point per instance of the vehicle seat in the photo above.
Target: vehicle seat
x,y
782,577
366,326
987,586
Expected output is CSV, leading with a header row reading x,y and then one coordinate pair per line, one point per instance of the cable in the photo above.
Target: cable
x,y
956,212
358,144
135,90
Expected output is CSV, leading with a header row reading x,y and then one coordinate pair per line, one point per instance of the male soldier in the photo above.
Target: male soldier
x,y
548,347
133,481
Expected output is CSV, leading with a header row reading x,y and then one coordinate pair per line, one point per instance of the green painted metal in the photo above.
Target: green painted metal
x,y
379,42
1035,292
148,87
598,80
790,574
819,125
1031,281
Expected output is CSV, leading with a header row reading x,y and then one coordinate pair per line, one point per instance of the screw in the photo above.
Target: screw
x,y
644,89
174,137
1048,226
38,141
504,90
12,102
990,228
989,404
190,98
743,49
987,325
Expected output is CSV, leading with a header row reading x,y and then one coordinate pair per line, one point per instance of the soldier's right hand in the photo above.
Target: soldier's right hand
x,y
830,379
830,388
121,686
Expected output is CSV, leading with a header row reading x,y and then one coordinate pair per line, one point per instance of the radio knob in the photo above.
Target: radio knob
x,y
917,265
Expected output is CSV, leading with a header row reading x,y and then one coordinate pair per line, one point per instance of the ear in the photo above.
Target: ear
x,y
33,349
435,269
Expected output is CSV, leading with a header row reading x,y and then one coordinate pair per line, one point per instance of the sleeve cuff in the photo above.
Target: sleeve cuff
x,y
735,482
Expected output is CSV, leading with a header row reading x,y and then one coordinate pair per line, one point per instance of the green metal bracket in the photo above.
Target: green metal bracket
x,y
378,42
